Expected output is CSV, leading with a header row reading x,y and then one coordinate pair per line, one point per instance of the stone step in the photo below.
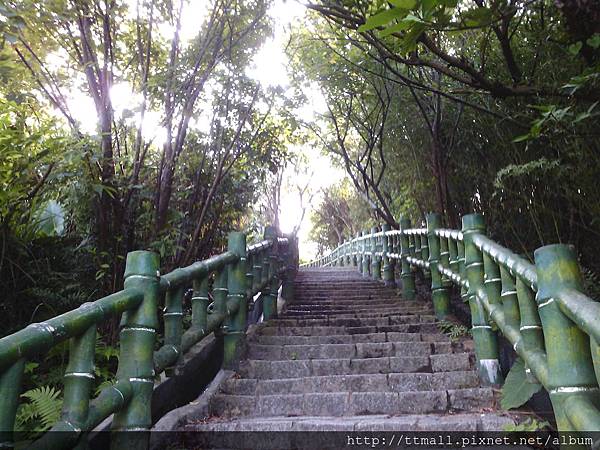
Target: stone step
x,y
265,369
269,329
354,322
344,284
293,312
393,382
352,403
411,422
349,315
367,292
313,307
353,302
348,338
352,291
351,294
339,351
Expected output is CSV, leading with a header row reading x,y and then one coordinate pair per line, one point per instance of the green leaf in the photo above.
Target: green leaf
x,y
478,16
47,404
575,48
428,5
523,137
381,19
517,390
50,219
411,18
594,41
402,26
409,43
404,4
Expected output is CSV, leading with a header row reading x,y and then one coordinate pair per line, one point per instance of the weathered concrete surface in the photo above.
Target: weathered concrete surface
x,y
349,354
195,410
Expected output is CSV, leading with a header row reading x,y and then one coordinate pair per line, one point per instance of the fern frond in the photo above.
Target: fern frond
x,y
47,405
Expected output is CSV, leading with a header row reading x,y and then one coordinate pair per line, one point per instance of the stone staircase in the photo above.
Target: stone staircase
x,y
350,355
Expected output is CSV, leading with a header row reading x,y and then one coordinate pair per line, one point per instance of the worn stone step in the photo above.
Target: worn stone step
x,y
393,382
265,369
358,302
358,350
346,315
348,338
366,308
355,322
356,312
411,422
352,403
345,288
270,329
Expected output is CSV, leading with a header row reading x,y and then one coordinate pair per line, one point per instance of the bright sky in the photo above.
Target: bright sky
x,y
270,69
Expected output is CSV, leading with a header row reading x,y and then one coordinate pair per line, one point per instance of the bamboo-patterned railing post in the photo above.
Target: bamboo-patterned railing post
x,y
249,276
200,302
349,247
439,293
347,252
453,256
366,246
486,344
531,325
510,304
388,263
220,292
10,391
136,364
375,260
407,276
354,250
287,288
460,264
445,260
173,319
257,270
425,255
359,252
570,368
235,330
78,380
397,261
270,296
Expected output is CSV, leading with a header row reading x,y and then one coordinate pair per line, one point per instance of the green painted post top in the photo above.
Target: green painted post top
x,y
473,222
385,227
142,263
270,232
141,269
374,230
557,269
236,243
434,221
404,223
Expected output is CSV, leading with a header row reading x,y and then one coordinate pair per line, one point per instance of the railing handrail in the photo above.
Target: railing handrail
x,y
271,262
533,305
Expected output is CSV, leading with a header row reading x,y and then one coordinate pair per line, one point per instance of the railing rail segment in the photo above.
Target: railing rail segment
x,y
234,278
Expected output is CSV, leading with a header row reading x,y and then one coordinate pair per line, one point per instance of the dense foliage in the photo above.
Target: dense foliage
x,y
452,106
75,200
456,106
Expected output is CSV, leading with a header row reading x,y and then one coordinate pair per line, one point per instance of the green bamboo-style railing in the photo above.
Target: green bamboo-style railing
x,y
539,308
235,277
